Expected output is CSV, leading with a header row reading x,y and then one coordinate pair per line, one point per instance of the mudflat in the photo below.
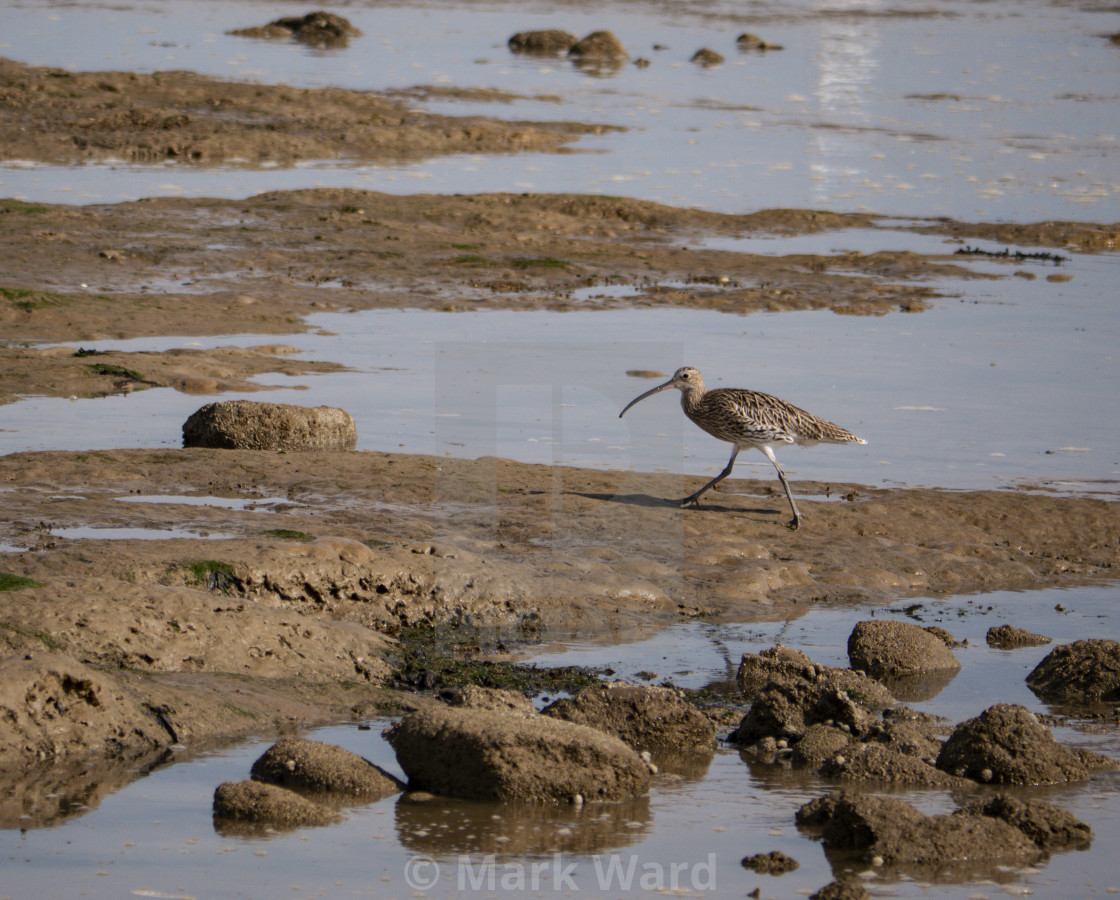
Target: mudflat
x,y
291,612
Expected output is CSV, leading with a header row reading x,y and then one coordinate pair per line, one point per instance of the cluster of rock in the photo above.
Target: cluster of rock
x,y
606,742
598,49
848,726
297,783
484,744
603,50
317,29
888,831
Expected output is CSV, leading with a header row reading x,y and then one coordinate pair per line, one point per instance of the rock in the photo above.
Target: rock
x,y
748,41
488,755
896,832
787,666
874,762
1006,744
786,711
316,766
1008,637
884,647
53,707
318,29
707,57
268,805
251,425
938,632
1049,827
475,697
599,45
650,718
841,890
773,863
1084,671
917,736
548,41
818,743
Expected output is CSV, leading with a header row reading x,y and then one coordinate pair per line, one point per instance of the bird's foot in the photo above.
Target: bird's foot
x,y
794,523
691,502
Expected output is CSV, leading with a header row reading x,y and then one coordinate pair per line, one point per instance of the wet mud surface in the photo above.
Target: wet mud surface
x,y
53,115
329,556
185,267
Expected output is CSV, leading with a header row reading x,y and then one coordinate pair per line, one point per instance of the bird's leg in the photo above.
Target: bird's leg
x,y
795,522
694,499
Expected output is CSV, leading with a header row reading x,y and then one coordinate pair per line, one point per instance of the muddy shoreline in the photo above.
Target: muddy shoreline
x,y
288,614
345,551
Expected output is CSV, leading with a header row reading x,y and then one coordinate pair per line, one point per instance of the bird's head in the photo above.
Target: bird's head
x,y
686,379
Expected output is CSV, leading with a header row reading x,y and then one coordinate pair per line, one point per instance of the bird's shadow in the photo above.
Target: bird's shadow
x,y
651,502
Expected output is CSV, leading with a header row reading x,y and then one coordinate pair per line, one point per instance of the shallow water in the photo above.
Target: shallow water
x,y
978,110
155,838
1002,383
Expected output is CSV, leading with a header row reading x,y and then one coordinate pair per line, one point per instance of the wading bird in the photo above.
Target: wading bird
x,y
748,419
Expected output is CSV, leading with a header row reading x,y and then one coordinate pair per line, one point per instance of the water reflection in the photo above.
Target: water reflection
x,y
432,825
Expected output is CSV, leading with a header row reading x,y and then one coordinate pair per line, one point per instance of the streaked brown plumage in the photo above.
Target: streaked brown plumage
x,y
748,419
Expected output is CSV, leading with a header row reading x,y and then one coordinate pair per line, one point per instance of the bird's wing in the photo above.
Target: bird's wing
x,y
745,417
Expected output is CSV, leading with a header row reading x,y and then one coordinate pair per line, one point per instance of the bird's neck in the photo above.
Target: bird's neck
x,y
690,397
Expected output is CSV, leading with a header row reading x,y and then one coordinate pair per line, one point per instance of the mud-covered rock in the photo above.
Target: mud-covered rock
x,y
476,697
1049,827
1006,744
645,717
268,805
818,743
911,734
874,762
896,833
884,647
773,863
316,766
707,57
253,425
786,711
317,29
52,707
599,45
748,41
848,889
1008,637
785,665
546,42
1082,672
488,755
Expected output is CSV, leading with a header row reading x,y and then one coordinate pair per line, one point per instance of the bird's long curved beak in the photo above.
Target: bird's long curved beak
x,y
649,393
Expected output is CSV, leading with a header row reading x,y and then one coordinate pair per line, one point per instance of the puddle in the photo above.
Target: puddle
x,y
107,533
156,836
980,111
266,504
988,388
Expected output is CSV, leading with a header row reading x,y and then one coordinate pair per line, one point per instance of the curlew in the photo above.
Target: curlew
x,y
748,419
